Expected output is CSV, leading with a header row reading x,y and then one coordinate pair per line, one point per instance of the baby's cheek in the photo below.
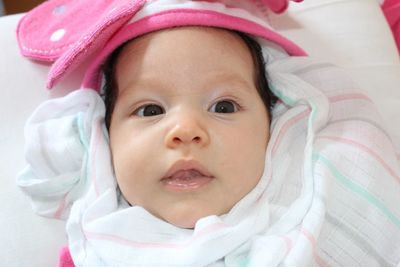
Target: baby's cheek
x,y
250,155
127,176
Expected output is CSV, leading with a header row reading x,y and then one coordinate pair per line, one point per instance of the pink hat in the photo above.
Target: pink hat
x,y
72,32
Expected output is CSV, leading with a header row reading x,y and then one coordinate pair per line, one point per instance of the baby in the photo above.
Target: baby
x,y
188,127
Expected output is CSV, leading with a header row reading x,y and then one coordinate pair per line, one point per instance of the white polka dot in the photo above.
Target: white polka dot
x,y
57,35
59,9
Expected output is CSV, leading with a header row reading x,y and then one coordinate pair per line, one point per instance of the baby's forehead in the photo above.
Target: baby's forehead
x,y
186,41
185,53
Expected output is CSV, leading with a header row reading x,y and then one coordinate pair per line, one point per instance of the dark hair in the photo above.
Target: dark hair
x,y
110,93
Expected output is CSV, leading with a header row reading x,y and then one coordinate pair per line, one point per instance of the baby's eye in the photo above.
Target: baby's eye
x,y
224,106
149,110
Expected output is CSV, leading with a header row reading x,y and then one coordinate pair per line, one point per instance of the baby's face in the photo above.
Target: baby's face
x,y
189,131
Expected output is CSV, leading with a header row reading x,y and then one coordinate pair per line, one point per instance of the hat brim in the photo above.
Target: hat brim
x,y
180,18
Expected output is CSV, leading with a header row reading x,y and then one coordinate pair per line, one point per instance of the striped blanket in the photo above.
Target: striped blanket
x,y
329,195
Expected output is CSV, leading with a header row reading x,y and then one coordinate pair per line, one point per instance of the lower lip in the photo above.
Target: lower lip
x,y
186,184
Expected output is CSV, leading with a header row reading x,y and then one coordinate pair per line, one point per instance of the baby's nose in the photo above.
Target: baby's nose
x,y
186,130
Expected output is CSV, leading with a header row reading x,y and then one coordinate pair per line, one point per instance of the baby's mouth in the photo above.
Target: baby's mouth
x,y
186,175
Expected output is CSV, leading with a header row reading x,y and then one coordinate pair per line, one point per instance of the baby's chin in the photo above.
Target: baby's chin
x,y
188,218
188,223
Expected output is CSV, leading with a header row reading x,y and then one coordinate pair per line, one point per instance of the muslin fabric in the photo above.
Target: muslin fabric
x,y
329,194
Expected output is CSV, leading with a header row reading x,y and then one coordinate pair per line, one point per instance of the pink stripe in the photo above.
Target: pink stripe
x,y
139,244
354,96
300,116
287,125
183,17
289,244
313,242
60,208
367,150
309,236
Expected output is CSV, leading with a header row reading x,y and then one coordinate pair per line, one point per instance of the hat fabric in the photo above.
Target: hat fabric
x,y
71,32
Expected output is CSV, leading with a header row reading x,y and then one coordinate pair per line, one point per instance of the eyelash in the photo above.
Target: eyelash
x,y
142,107
235,103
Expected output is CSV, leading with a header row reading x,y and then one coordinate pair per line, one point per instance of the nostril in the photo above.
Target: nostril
x,y
176,140
196,139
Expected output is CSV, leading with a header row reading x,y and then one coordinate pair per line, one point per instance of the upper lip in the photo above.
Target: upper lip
x,y
186,165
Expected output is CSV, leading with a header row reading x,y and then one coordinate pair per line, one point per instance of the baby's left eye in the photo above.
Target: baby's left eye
x,y
149,110
224,106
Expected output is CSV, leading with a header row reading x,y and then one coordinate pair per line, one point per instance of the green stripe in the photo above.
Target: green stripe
x,y
82,136
244,261
280,95
356,188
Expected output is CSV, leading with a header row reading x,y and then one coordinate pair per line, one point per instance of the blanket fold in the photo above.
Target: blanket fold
x,y
328,196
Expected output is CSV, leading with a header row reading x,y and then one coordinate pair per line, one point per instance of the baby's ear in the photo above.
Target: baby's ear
x,y
61,31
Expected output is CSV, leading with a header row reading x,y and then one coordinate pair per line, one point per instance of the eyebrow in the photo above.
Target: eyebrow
x,y
158,85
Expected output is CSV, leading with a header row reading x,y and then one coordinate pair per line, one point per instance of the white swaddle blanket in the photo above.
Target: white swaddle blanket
x,y
329,195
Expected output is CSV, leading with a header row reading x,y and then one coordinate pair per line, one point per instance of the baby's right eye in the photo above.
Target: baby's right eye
x,y
149,110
